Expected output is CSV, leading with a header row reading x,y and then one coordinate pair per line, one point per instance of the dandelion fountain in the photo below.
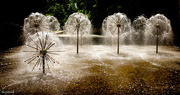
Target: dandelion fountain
x,y
42,44
54,24
78,24
139,25
116,25
35,22
159,30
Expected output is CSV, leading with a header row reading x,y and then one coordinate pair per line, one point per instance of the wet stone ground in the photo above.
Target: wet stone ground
x,y
96,70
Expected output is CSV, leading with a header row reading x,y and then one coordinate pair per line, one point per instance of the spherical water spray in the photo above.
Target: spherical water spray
x,y
79,24
42,45
35,22
159,30
54,24
139,26
115,25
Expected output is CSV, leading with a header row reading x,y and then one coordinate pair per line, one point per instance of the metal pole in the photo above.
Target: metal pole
x,y
157,41
77,40
43,59
118,42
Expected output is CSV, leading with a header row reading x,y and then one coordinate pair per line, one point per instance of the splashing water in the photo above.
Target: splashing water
x,y
136,68
54,24
78,24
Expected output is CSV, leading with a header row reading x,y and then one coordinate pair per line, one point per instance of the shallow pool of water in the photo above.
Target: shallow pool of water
x,y
96,69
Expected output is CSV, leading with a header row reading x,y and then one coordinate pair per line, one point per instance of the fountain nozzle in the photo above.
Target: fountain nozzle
x,y
36,25
78,25
118,25
43,51
157,25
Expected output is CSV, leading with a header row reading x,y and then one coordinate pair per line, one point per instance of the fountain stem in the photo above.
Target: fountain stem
x,y
118,42
43,60
77,39
43,53
157,34
157,41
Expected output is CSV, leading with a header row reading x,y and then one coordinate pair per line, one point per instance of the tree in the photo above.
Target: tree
x,y
58,10
62,9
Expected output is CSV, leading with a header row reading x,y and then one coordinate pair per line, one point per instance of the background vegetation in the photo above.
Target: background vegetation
x,y
97,10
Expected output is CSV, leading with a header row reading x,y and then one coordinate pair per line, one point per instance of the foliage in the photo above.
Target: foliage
x,y
63,8
97,10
